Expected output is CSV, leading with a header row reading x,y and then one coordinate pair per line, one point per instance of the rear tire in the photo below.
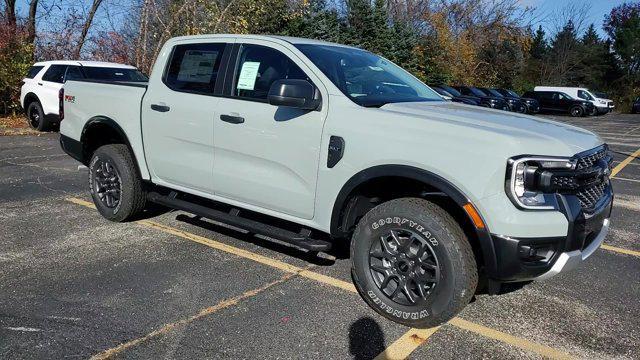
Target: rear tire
x,y
576,111
36,118
115,184
425,274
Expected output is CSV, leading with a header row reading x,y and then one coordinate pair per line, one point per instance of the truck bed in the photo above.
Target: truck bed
x,y
92,100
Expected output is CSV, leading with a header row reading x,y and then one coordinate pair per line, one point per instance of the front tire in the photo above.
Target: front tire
x,y
412,263
115,184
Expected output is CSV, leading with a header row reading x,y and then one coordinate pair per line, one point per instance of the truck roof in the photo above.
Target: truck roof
x,y
287,39
85,63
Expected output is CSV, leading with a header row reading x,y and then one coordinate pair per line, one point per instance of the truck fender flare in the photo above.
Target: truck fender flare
x,y
27,97
103,120
426,177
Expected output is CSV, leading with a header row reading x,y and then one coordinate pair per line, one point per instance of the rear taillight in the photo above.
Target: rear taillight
x,y
61,103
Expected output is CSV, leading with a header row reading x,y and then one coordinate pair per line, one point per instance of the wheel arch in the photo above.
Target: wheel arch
x,y
28,99
102,130
440,187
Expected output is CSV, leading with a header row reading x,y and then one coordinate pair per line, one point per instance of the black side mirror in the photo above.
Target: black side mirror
x,y
295,93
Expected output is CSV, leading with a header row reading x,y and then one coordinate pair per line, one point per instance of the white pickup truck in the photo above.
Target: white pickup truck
x,y
314,143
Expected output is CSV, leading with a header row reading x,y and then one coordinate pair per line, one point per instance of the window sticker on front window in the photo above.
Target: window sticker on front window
x,y
197,66
248,75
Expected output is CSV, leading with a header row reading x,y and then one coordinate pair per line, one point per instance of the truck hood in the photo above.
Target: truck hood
x,y
522,134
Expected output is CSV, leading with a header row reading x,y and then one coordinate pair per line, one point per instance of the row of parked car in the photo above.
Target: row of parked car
x,y
575,101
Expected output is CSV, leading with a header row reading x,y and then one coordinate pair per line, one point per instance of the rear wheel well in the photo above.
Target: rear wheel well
x,y
373,192
28,99
98,134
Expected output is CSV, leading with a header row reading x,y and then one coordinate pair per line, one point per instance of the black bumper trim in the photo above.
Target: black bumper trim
x,y
72,147
583,227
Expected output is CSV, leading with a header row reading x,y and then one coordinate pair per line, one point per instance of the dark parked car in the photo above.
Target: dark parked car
x,y
533,107
487,100
514,104
457,97
456,93
635,108
556,101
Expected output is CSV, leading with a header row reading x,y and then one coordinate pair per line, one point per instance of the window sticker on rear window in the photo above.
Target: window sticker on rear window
x,y
248,75
197,66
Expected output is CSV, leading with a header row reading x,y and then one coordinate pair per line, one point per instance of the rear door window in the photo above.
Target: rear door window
x,y
55,73
33,71
73,73
194,67
113,74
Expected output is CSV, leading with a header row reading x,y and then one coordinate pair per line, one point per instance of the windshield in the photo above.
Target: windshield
x,y
367,79
451,90
114,74
492,92
601,95
476,91
512,93
442,92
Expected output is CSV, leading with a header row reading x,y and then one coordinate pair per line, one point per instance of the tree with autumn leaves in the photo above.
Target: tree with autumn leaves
x,y
477,42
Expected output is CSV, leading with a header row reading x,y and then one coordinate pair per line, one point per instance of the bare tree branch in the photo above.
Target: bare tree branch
x,y
85,28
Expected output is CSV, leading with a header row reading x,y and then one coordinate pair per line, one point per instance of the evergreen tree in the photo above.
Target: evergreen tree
x,y
565,56
539,46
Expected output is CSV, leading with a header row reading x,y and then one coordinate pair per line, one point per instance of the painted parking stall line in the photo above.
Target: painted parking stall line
x,y
625,162
407,343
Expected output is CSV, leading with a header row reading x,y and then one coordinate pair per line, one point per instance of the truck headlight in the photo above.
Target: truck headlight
x,y
525,181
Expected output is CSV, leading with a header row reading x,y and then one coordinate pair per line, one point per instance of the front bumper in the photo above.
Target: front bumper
x,y
570,260
523,259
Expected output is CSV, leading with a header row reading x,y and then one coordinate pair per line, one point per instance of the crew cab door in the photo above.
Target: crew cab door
x,y
267,156
547,101
562,101
178,114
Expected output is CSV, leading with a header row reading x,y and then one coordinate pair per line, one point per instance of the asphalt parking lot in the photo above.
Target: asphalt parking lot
x,y
75,285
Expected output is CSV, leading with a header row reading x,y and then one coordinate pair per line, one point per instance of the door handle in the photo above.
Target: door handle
x,y
232,119
40,84
160,108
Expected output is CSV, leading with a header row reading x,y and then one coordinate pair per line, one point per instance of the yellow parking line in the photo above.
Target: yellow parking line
x,y
621,250
110,353
524,344
624,163
406,344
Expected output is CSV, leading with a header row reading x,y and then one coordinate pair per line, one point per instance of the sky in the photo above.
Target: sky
x,y
542,14
597,9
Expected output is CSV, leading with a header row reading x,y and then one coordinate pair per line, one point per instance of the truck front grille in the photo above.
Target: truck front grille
x,y
591,159
590,196
588,181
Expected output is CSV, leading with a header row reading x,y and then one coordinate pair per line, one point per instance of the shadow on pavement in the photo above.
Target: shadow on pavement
x,y
366,339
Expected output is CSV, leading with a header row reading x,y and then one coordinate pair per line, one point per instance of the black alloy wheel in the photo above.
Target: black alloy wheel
x,y
404,266
34,117
107,183
577,111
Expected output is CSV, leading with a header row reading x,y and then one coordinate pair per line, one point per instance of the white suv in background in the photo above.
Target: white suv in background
x,y
602,106
40,90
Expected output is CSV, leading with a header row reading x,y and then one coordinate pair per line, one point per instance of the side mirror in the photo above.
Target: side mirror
x,y
295,93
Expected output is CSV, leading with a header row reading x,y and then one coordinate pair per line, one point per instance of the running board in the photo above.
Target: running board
x,y
233,218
